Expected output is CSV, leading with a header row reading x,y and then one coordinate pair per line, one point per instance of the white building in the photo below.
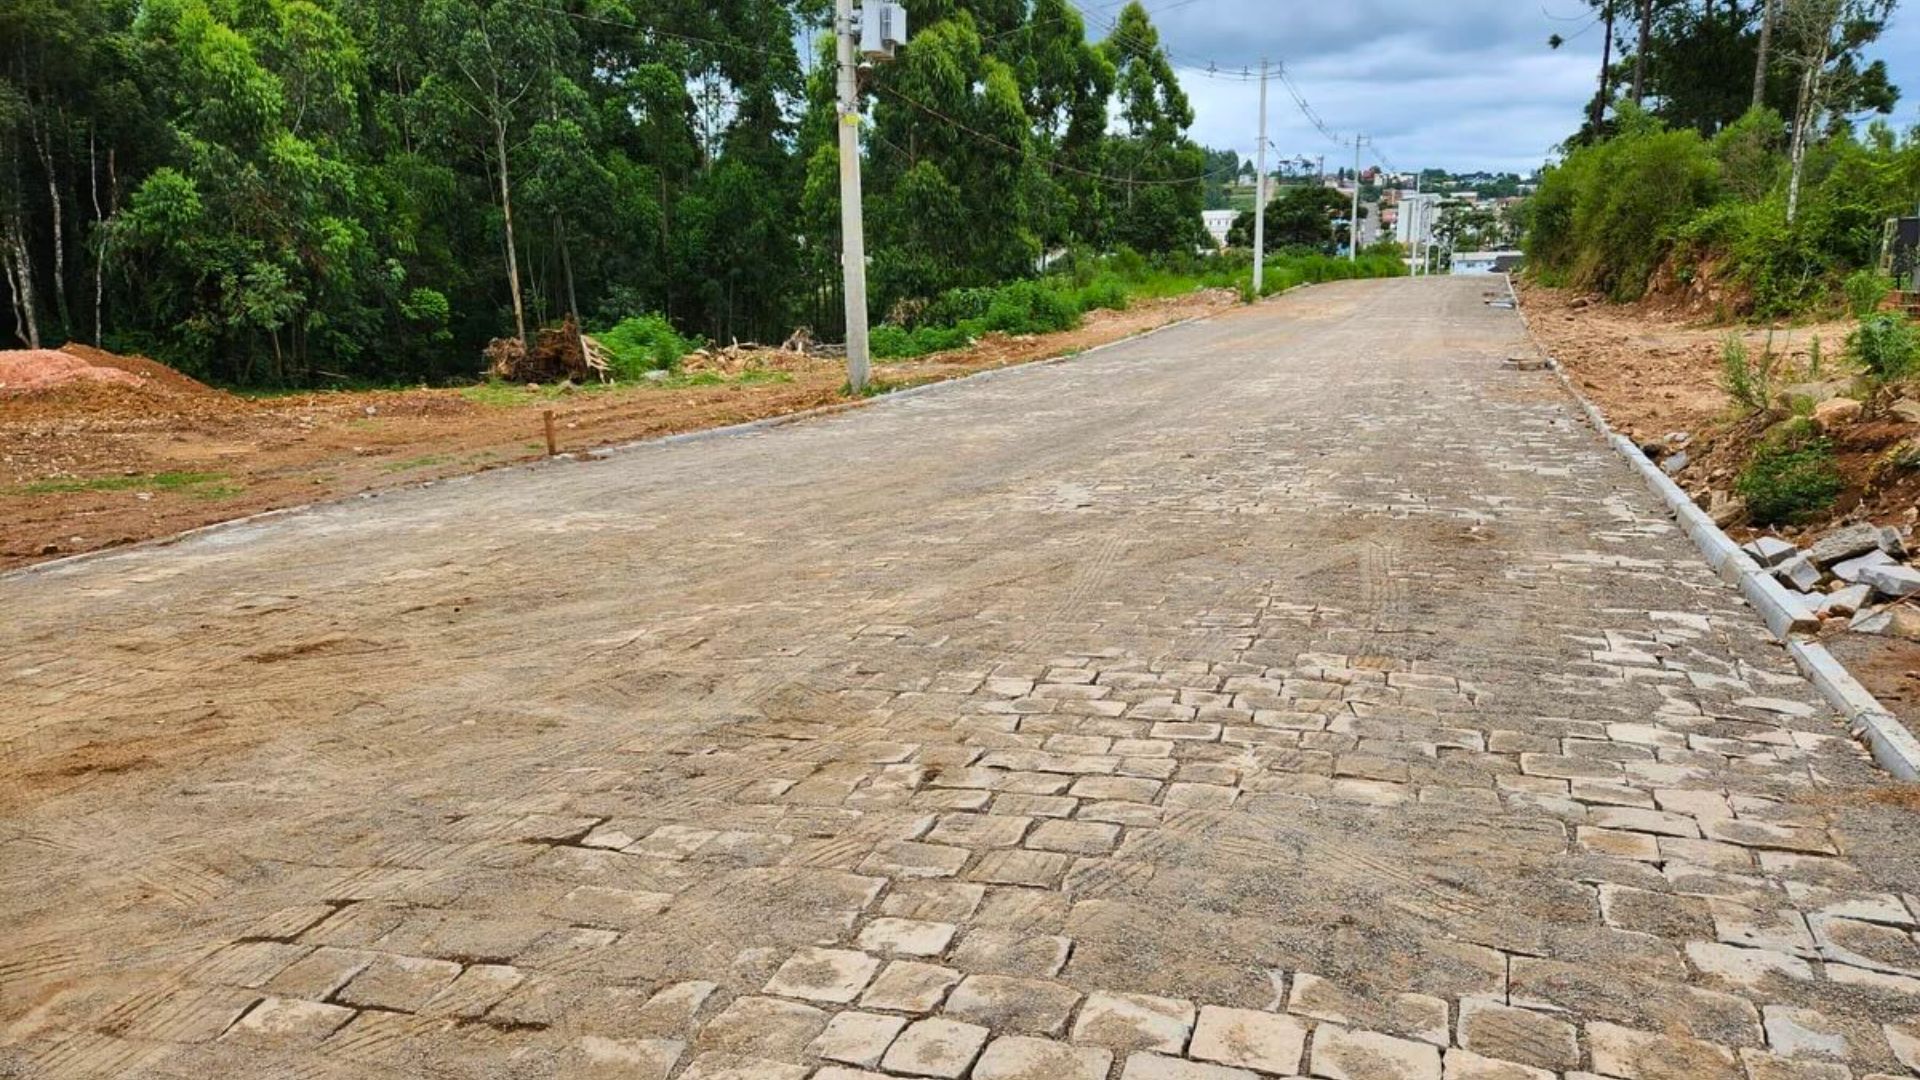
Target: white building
x,y
1485,262
1219,223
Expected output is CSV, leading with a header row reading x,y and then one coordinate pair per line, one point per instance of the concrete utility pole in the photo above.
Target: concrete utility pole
x,y
853,240
1353,220
1260,194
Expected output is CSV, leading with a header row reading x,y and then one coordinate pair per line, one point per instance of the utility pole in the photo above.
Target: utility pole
x,y
853,240
1260,195
1353,220
1414,249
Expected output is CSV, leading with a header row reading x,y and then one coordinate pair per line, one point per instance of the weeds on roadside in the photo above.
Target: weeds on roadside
x,y
1749,382
1791,477
1865,290
1886,346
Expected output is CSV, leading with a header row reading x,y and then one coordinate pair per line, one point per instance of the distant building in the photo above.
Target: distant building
x,y
1418,213
1485,262
1219,223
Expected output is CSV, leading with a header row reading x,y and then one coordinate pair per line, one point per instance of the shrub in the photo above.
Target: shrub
x,y
1608,214
897,343
644,343
1865,289
956,306
1748,383
1105,292
1789,481
1028,307
1886,346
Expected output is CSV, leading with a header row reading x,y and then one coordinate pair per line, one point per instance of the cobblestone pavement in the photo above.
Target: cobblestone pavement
x,y
1298,693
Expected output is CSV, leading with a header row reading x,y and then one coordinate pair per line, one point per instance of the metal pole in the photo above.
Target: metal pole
x,y
1353,220
853,241
1260,195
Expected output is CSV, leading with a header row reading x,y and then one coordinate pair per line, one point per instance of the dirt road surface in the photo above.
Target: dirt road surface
x,y
1298,692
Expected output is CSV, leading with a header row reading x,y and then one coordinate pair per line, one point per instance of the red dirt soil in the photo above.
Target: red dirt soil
x,y
149,452
27,371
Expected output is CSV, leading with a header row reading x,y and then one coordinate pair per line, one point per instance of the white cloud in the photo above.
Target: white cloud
x,y
1457,84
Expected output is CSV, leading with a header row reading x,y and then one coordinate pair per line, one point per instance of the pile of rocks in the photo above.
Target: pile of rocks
x,y
1858,573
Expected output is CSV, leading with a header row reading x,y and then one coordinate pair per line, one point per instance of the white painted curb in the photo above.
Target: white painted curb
x,y
1786,615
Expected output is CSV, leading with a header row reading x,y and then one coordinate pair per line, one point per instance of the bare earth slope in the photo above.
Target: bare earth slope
x,y
1302,662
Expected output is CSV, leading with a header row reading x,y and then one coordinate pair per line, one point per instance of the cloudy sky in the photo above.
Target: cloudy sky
x,y
1454,84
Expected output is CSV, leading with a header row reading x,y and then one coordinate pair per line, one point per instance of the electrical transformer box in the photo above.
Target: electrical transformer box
x,y
883,28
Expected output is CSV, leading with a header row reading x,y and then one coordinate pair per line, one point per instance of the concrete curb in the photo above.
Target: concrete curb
x,y
1786,615
766,423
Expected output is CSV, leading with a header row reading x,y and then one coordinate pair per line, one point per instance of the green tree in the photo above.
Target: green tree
x,y
1298,217
1158,167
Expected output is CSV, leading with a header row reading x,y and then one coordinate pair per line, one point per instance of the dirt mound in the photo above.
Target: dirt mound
x,y
151,370
31,370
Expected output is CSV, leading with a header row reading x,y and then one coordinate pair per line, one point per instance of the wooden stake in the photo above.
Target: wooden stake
x,y
547,416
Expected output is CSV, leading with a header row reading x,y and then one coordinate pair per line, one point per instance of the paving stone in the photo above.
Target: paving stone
x,y
1344,1054
1012,952
1115,788
1866,945
1620,845
1467,1065
1760,834
618,909
1761,1065
857,1038
906,937
905,986
597,1057
289,1020
1634,819
764,1027
1640,911
1892,580
724,1066
1904,1039
1144,1066
832,975
1780,929
909,859
933,899
1018,1057
1128,1022
938,1048
673,1008
1510,1034
1074,837
401,983
1039,869
1642,1055
1262,1041
1417,1016
477,989
320,973
979,830
1746,968
1003,1003
1200,796
1796,1033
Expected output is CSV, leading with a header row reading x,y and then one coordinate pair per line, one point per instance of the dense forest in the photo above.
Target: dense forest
x,y
1737,144
291,191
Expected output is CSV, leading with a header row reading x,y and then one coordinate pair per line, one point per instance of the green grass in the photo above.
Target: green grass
x,y
508,395
198,484
426,461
